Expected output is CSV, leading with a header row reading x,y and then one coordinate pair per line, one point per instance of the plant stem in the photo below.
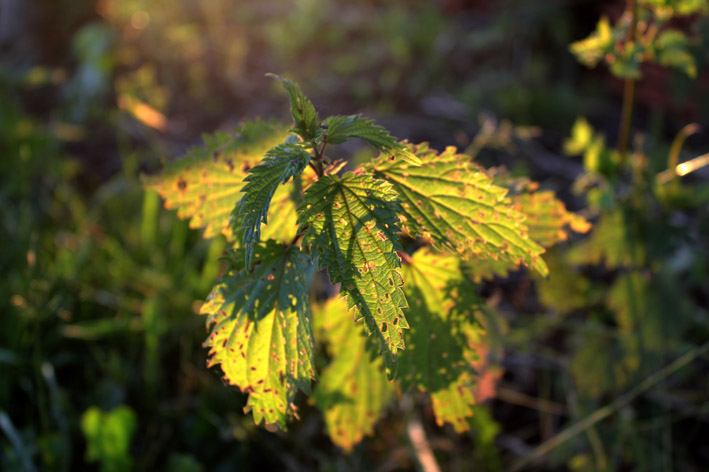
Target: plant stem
x,y
404,257
684,133
318,167
628,89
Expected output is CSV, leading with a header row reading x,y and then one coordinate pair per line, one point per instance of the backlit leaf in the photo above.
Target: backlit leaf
x,y
281,163
548,220
441,343
205,185
351,224
260,329
457,207
302,110
353,390
342,128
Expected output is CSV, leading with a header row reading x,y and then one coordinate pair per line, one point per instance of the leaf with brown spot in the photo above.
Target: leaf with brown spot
x,y
458,208
353,390
339,236
441,345
261,333
205,185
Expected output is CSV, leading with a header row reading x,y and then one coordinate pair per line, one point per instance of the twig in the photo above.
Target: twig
x,y
419,442
603,413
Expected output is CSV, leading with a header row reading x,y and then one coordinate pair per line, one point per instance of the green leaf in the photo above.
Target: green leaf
x,y
441,343
673,51
341,128
108,437
566,289
261,333
668,8
353,390
281,163
204,186
615,241
458,208
351,224
301,109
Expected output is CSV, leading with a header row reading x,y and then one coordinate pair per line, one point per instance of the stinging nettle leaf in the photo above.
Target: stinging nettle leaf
x,y
457,207
351,224
548,218
353,390
205,185
548,221
444,332
342,128
281,163
260,329
302,110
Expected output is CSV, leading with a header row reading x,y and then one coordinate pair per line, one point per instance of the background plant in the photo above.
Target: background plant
x,y
99,294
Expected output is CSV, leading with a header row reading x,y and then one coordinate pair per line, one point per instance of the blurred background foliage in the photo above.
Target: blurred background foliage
x,y
100,346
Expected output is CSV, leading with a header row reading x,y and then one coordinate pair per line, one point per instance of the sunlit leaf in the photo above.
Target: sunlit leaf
x,y
457,207
353,390
260,329
205,185
342,128
351,224
441,343
548,220
281,163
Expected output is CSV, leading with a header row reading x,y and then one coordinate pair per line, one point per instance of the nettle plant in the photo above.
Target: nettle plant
x,y
405,237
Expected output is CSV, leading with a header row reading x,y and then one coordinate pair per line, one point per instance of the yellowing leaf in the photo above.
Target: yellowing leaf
x,y
457,207
353,390
205,185
261,334
441,343
548,218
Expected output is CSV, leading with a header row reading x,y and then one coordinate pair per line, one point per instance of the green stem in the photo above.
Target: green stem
x,y
603,413
628,90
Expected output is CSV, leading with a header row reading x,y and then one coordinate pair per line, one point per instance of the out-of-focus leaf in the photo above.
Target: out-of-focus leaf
x,y
565,289
672,48
614,241
441,343
108,437
353,389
